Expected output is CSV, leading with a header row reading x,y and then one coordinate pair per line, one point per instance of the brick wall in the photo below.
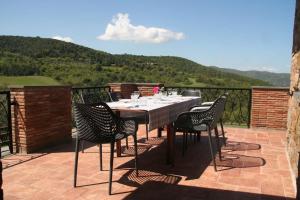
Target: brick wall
x,y
1,181
269,107
41,117
146,89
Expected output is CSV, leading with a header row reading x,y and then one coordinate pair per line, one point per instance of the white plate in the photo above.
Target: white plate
x,y
125,100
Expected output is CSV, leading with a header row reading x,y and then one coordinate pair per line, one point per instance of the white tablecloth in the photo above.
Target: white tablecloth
x,y
161,110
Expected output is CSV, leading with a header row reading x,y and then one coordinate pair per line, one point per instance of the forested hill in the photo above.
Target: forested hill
x,y
73,64
276,79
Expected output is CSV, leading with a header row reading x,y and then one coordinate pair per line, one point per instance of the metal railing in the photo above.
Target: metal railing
x,y
78,92
5,123
238,104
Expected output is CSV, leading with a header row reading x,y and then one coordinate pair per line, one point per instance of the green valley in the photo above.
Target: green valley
x,y
72,64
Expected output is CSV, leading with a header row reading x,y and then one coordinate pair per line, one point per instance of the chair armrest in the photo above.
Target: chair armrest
x,y
199,108
204,104
208,103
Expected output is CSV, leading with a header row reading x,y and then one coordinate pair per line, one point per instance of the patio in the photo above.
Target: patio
x,y
254,166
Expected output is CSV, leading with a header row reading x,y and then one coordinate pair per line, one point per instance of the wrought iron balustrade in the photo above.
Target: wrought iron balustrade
x,y
238,105
5,123
78,92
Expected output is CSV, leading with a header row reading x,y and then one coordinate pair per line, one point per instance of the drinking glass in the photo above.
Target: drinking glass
x,y
174,92
134,96
165,93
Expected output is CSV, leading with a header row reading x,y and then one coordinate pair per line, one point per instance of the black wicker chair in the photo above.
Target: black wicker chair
x,y
195,121
93,98
207,105
193,93
97,123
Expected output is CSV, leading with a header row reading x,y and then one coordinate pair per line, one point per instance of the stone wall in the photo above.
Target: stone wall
x,y
41,117
1,181
127,88
269,107
293,134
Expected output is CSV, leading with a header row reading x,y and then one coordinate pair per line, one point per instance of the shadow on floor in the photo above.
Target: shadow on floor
x,y
167,191
240,146
191,165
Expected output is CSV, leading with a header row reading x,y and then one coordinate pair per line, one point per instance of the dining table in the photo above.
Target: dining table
x,y
162,111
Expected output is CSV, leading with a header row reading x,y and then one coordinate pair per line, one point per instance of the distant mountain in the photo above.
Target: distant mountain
x,y
276,79
73,64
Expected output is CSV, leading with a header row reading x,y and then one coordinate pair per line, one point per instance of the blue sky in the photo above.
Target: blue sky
x,y
238,34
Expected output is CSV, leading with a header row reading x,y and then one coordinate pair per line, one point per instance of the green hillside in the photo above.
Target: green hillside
x,y
276,79
73,64
26,80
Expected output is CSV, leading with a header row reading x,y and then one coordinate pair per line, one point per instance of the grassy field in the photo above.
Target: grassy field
x,y
6,81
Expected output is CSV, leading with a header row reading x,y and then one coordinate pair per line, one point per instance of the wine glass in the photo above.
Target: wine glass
x,y
174,92
134,96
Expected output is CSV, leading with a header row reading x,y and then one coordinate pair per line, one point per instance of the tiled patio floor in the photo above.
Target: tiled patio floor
x,y
254,167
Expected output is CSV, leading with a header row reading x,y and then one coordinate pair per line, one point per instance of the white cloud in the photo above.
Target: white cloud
x,y
65,39
268,69
120,28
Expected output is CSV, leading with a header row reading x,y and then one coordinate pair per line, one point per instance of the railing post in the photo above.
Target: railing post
x,y
9,121
249,107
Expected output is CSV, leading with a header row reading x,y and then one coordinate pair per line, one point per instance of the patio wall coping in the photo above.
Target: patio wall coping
x,y
270,88
38,86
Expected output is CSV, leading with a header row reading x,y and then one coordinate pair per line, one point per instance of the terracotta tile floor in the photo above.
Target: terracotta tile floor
x,y
254,166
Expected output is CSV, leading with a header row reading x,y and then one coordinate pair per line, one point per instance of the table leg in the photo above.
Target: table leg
x,y
170,144
159,130
119,152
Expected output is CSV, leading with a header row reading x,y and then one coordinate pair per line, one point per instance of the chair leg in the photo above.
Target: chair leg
x,y
136,155
82,146
195,138
100,154
112,148
223,132
76,161
159,130
218,142
211,149
147,131
186,141
183,142
199,136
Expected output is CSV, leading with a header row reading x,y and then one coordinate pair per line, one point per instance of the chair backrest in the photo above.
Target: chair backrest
x,y
194,93
225,95
213,113
95,122
216,110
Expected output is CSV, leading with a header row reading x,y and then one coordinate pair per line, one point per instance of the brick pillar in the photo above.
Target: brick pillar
x,y
146,89
269,107
127,88
41,117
